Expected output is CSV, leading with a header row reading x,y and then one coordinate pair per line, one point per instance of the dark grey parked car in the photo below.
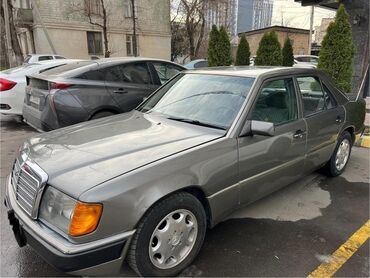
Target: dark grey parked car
x,y
146,184
89,90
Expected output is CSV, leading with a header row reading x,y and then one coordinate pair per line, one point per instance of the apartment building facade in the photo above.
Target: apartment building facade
x,y
68,27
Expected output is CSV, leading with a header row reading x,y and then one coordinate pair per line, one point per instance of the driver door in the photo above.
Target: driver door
x,y
266,163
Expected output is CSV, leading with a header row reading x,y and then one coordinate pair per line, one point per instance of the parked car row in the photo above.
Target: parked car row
x,y
145,185
66,92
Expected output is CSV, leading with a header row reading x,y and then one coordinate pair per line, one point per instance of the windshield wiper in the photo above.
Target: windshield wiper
x,y
195,122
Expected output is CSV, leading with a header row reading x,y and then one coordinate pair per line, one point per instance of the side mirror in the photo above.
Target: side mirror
x,y
258,128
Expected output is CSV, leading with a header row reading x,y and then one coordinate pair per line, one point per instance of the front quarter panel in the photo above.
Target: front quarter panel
x,y
212,167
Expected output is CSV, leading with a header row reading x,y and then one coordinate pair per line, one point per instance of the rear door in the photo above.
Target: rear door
x,y
266,163
129,83
324,118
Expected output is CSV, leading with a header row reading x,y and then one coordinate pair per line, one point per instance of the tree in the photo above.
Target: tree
x,y
179,46
269,51
337,51
287,53
193,13
14,42
224,48
97,14
243,53
213,42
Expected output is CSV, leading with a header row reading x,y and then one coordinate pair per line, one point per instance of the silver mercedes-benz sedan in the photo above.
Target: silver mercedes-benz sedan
x,y
144,186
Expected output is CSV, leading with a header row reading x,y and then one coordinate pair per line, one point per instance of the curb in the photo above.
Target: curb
x,y
363,141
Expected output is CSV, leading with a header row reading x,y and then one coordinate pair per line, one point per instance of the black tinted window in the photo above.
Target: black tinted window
x,y
93,75
131,73
277,102
59,57
45,58
166,71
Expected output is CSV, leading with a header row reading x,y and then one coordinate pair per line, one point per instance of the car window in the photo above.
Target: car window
x,y
59,57
45,58
277,102
313,97
201,64
97,75
166,71
314,60
330,102
207,99
137,73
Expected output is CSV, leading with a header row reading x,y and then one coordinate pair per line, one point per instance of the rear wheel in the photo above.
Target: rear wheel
x,y
340,157
169,236
102,115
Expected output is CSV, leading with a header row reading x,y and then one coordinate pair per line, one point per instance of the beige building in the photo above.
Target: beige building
x,y
66,23
298,37
320,31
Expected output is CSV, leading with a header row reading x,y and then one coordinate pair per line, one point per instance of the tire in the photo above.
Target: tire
x,y
332,167
102,115
160,219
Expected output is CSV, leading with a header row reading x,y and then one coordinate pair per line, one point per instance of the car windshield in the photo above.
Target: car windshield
x,y
200,99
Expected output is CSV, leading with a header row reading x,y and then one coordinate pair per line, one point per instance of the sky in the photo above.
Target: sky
x,y
292,14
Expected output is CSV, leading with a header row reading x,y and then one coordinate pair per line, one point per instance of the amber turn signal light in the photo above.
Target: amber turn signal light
x,y
85,218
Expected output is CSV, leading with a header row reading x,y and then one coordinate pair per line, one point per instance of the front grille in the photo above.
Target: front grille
x,y
27,186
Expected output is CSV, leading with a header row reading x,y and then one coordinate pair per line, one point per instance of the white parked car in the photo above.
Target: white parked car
x,y
13,84
306,61
34,58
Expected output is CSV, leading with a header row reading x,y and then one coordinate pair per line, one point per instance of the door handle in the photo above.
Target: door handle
x,y
299,134
338,119
120,91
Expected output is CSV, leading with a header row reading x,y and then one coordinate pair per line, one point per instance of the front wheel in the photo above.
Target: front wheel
x,y
169,236
340,157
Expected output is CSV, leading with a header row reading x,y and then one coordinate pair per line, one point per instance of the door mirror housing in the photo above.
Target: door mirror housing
x,y
258,128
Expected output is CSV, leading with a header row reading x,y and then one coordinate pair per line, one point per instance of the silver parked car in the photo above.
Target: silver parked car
x,y
145,185
88,90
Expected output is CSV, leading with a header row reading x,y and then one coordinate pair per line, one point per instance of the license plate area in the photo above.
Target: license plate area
x,y
17,229
35,100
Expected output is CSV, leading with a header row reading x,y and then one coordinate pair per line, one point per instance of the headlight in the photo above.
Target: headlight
x,y
57,208
67,214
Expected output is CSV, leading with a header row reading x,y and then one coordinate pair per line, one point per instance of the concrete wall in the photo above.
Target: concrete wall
x,y
359,9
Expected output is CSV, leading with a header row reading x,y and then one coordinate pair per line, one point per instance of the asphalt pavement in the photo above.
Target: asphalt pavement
x,y
287,234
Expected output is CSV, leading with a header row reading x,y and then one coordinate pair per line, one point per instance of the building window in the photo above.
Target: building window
x,y
130,45
95,43
127,8
93,7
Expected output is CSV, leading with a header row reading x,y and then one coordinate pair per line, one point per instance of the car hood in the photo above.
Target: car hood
x,y
82,156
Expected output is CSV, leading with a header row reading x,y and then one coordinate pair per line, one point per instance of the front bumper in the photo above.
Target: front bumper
x,y
100,257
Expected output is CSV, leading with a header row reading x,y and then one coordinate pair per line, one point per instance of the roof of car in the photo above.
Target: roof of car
x,y
129,59
246,71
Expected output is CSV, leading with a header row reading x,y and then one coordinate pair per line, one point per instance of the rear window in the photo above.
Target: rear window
x,y
59,57
45,58
69,67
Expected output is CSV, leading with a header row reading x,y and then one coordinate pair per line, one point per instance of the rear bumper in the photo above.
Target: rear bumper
x,y
100,257
40,120
12,102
